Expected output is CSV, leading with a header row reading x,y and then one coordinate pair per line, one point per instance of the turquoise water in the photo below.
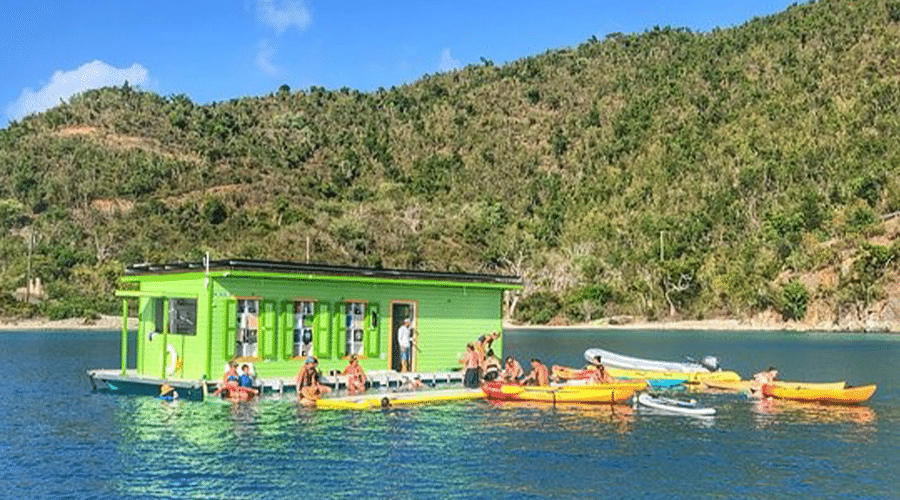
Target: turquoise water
x,y
60,440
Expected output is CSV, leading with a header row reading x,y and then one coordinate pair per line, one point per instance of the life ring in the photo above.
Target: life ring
x,y
172,360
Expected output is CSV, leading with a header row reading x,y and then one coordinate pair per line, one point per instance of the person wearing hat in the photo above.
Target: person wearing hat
x,y
309,389
405,341
356,377
167,393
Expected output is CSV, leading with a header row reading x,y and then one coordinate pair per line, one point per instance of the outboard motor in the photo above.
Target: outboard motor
x,y
711,363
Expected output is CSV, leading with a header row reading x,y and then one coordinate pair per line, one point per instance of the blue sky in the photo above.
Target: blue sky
x,y
214,50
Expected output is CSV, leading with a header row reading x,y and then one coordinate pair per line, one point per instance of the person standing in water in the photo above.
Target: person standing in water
x,y
470,363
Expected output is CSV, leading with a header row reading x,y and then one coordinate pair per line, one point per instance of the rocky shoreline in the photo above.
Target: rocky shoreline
x,y
618,322
103,323
726,324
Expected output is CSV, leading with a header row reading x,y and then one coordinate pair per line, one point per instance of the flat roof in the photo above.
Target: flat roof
x,y
268,266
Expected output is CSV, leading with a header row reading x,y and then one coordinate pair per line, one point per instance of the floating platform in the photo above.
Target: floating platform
x,y
405,398
130,382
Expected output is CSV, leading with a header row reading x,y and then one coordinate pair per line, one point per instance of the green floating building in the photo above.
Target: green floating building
x,y
195,317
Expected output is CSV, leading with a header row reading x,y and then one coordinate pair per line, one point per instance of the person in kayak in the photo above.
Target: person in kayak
x,y
356,377
470,363
766,377
600,375
512,370
539,375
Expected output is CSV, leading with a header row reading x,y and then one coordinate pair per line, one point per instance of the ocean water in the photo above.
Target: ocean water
x,y
58,439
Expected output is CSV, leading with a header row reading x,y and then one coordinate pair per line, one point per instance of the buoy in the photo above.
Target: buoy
x,y
172,361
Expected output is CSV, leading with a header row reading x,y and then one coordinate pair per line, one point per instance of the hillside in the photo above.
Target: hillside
x,y
743,173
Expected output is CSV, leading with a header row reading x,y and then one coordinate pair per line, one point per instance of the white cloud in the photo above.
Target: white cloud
x,y
448,63
65,84
265,51
285,14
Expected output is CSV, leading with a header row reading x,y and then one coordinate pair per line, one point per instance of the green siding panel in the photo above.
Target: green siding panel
x,y
373,336
229,325
286,330
322,342
338,330
267,330
446,319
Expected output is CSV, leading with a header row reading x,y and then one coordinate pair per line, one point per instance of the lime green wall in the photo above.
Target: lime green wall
x,y
190,349
447,318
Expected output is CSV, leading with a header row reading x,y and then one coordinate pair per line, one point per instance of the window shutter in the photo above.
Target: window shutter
x,y
229,328
267,330
373,329
322,335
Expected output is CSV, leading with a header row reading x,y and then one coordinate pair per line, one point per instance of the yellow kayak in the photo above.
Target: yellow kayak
x,y
847,395
747,385
691,377
367,401
594,394
635,385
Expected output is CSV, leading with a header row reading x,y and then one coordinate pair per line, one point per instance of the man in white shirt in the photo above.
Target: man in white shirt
x,y
404,340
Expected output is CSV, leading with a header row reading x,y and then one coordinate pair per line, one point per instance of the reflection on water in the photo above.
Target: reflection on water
x,y
771,410
60,440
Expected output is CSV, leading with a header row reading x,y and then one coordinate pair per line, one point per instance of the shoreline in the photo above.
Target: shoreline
x,y
733,325
114,323
717,324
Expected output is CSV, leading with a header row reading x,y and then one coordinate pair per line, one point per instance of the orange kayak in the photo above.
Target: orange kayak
x,y
746,385
846,396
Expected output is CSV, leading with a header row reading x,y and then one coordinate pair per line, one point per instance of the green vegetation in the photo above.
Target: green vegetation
x,y
667,173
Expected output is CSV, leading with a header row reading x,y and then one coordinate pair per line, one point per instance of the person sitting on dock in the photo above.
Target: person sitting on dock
x,y
539,375
412,383
231,373
470,363
356,377
234,391
512,370
490,367
246,379
309,389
